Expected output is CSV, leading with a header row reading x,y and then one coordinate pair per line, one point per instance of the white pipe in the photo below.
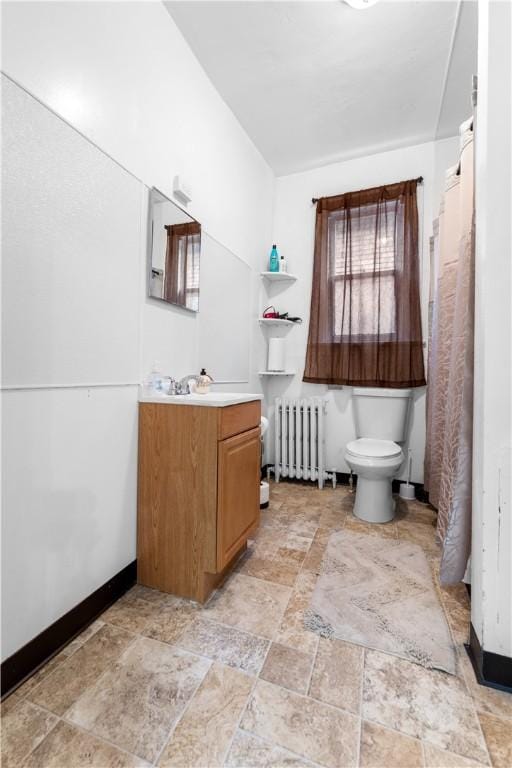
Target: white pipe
x,y
277,439
320,444
305,440
313,442
299,432
291,434
284,441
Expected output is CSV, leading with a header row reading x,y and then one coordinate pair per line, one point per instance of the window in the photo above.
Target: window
x,y
181,277
365,321
362,274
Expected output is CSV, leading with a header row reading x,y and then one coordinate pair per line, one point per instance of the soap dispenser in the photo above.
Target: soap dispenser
x,y
203,382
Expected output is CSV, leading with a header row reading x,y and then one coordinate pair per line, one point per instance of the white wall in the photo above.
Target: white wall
x,y
70,299
491,568
71,238
122,75
69,501
144,99
294,219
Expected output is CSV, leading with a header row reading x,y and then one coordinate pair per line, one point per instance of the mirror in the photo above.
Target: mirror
x,y
174,253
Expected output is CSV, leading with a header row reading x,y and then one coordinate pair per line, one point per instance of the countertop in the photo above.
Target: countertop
x,y
212,399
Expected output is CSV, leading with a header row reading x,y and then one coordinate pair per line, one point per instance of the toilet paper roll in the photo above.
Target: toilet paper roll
x,y
275,354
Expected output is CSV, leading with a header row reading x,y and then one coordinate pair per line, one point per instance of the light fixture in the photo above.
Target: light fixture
x,y
181,190
360,4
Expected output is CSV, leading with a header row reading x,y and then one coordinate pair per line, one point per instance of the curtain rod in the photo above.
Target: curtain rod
x,y
315,200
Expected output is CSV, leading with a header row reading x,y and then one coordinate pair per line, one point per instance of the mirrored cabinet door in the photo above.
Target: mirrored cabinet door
x,y
174,253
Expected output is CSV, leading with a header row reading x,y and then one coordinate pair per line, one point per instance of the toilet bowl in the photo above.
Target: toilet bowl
x,y
380,416
375,462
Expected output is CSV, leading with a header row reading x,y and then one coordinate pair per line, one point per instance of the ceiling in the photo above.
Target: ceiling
x,y
316,82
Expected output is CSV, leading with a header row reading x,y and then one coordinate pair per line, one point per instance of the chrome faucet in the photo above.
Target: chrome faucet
x,y
181,387
172,387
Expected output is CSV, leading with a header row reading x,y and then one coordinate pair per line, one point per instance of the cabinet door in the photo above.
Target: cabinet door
x,y
238,501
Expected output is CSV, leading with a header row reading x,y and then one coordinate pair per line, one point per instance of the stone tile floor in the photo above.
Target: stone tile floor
x,y
159,680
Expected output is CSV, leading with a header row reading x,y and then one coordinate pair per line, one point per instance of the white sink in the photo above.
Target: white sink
x,y
212,399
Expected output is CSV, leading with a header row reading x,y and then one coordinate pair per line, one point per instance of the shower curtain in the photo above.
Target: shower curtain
x,y
448,455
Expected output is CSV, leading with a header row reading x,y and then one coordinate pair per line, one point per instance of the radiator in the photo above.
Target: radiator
x,y
300,440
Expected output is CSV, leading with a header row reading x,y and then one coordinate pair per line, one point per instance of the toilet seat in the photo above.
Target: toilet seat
x,y
370,448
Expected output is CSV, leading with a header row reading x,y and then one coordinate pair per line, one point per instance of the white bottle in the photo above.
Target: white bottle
x,y
153,384
282,264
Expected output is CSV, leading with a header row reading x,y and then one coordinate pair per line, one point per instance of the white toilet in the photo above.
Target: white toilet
x,y
375,457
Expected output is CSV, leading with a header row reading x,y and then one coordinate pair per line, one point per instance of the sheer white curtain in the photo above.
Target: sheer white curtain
x,y
448,455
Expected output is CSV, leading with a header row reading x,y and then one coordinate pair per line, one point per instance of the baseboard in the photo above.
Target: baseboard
x,y
22,664
491,669
343,478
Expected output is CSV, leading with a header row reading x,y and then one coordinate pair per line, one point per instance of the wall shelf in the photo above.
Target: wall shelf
x,y
277,276
275,321
276,373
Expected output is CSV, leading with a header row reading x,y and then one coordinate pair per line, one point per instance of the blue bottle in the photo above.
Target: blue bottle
x,y
274,259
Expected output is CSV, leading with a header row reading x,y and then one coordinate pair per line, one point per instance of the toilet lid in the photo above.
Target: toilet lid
x,y
376,449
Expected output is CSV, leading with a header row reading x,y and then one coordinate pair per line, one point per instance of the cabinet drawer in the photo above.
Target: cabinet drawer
x,y
239,418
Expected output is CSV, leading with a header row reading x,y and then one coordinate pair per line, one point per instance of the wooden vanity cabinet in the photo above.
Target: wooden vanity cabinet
x,y
198,493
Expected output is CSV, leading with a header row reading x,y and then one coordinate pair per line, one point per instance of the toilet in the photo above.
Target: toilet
x,y
376,456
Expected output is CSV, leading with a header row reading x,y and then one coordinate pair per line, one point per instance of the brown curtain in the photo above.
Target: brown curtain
x,y
449,444
365,320
181,242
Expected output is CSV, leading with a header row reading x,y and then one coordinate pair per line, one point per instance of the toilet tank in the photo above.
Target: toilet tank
x,y
381,413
